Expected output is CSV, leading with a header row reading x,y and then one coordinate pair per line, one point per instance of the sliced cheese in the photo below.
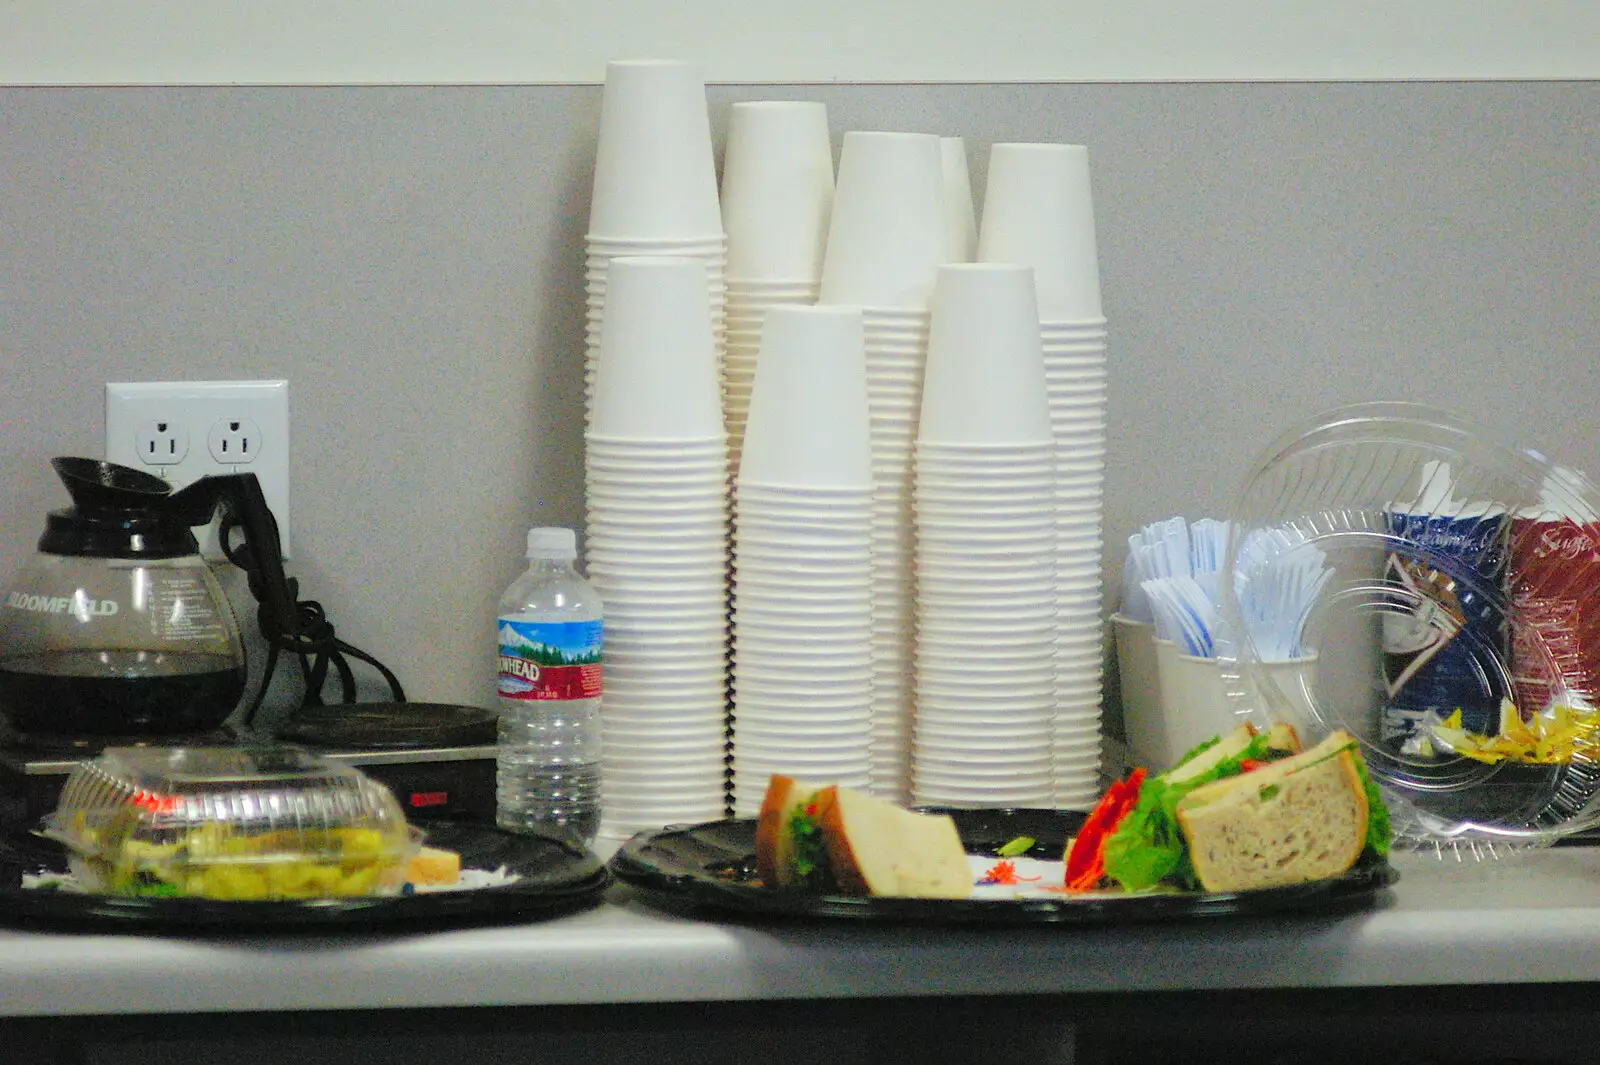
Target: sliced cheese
x,y
434,865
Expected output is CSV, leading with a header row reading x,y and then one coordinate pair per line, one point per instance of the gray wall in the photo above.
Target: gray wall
x,y
410,259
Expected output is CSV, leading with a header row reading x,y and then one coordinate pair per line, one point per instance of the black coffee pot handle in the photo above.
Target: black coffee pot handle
x,y
287,623
261,557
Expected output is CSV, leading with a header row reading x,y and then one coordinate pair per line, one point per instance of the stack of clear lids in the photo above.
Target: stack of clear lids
x,y
247,823
1459,633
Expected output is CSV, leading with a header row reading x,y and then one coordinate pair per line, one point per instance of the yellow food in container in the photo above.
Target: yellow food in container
x,y
245,823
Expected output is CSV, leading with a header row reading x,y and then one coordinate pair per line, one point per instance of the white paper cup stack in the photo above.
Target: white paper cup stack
x,y
777,195
986,585
657,491
802,601
655,187
887,237
1038,210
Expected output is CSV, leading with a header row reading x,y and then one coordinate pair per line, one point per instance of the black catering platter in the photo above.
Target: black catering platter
x,y
712,865
552,877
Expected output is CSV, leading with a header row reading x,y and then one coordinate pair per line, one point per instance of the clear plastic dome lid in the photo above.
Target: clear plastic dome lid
x,y
1452,625
255,822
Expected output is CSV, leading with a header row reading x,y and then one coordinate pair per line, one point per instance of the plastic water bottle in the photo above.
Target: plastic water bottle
x,y
548,761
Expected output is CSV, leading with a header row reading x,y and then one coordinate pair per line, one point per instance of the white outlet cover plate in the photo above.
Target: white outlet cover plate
x,y
150,423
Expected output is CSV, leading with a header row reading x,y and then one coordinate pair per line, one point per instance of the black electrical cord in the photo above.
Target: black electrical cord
x,y
306,633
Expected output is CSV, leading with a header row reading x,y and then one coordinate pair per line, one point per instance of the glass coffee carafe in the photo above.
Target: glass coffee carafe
x,y
117,625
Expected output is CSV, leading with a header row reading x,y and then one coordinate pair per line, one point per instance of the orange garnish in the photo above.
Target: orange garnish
x,y
1005,873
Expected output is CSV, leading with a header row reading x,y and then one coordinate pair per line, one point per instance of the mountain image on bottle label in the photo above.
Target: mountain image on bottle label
x,y
543,660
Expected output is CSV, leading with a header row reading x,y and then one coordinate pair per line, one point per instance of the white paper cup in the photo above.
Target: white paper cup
x,y
777,661
758,291
876,315
777,188
1034,456
800,722
699,539
777,693
641,570
1074,328
686,602
655,176
953,688
1038,210
886,234
820,590
775,596
808,420
941,638
961,220
637,606
838,731
984,382
664,734
1194,705
962,794
648,454
814,516
656,375
601,249
702,495
852,561
985,730
848,635
967,498
676,651
810,497
663,698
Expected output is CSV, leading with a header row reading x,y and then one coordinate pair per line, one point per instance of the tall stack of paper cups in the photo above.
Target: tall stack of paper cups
x,y
802,596
657,485
986,548
1038,211
887,237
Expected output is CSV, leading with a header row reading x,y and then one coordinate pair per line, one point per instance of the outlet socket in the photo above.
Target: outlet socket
x,y
184,430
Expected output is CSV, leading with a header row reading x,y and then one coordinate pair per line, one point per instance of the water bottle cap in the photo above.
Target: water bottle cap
x,y
552,542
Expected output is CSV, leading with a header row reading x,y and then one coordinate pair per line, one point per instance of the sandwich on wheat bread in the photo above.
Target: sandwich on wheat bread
x,y
1245,810
1298,819
838,840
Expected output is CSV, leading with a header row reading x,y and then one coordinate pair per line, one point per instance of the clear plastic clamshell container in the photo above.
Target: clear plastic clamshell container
x,y
238,823
1455,622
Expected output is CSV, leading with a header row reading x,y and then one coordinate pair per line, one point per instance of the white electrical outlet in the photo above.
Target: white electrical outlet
x,y
183,430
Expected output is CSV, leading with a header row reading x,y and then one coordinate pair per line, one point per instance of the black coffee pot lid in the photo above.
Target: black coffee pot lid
x,y
390,726
95,485
117,512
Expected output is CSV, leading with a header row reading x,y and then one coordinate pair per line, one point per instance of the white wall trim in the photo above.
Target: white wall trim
x,y
209,42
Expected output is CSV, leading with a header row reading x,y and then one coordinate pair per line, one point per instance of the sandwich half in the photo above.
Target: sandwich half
x,y
878,848
837,840
789,847
1245,810
1299,819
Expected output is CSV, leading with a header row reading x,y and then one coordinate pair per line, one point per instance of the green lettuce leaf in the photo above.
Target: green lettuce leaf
x,y
1380,834
811,866
1147,847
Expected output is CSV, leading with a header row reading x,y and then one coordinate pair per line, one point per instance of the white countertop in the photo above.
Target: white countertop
x,y
1534,918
